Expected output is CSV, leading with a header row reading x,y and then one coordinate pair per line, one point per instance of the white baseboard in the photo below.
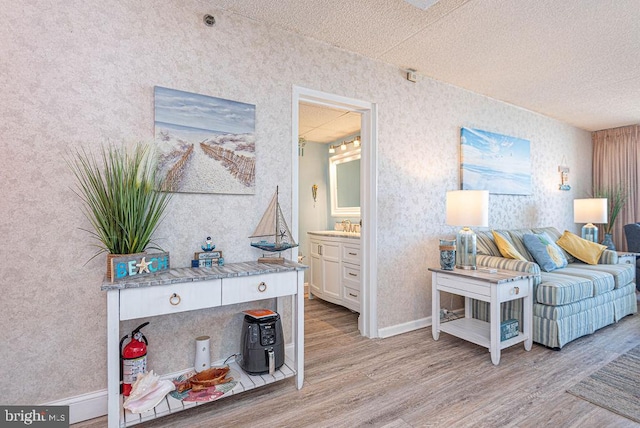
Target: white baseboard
x,y
85,406
404,328
411,325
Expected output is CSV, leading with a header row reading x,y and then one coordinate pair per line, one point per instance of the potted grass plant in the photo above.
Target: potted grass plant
x,y
121,200
616,199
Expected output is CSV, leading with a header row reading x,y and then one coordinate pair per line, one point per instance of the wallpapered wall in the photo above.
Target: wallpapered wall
x,y
81,73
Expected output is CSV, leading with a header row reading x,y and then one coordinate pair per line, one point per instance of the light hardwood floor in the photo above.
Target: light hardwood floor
x,y
410,380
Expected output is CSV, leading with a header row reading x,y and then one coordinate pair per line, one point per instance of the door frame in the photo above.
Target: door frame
x,y
368,320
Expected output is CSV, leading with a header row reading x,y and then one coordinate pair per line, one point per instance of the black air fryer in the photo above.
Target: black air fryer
x,y
262,345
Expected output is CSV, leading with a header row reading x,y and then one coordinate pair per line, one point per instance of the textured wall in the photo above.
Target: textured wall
x,y
80,73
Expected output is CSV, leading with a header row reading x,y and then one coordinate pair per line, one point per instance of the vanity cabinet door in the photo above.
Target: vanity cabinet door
x,y
332,284
315,268
325,276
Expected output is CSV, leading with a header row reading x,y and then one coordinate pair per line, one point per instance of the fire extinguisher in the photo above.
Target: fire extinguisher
x,y
133,359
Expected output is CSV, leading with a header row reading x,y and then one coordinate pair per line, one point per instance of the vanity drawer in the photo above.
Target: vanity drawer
x,y
168,299
351,254
351,298
351,276
258,287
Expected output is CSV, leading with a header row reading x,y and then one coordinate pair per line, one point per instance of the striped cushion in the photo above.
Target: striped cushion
x,y
559,289
485,244
602,281
517,236
622,274
564,311
608,257
559,312
500,262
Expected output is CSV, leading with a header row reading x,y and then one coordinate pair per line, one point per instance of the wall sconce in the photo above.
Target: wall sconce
x,y
356,142
301,143
332,149
343,146
564,177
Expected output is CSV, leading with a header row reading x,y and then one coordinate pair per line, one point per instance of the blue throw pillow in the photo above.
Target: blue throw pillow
x,y
545,252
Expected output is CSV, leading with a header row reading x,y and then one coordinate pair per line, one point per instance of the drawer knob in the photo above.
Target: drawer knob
x,y
262,287
175,299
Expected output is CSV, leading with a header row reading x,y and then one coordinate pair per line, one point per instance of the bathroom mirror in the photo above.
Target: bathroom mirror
x,y
344,178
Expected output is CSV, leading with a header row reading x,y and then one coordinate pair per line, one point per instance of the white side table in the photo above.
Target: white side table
x,y
494,288
627,257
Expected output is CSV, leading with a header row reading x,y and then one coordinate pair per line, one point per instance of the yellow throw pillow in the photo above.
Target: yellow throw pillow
x,y
583,250
506,249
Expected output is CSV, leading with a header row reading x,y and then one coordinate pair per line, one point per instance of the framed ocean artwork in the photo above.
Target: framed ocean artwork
x,y
498,163
204,144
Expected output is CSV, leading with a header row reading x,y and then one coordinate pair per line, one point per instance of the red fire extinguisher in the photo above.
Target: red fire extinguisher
x,y
133,359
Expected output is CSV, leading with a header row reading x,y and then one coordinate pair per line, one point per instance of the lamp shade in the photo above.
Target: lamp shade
x,y
468,208
593,210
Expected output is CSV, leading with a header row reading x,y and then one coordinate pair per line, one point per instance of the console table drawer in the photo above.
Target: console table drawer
x,y
257,287
469,287
513,290
168,299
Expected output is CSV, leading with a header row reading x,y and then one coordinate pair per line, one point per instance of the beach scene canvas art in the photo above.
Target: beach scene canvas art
x,y
204,144
498,163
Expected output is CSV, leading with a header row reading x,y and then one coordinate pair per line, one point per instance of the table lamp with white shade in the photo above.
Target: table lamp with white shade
x,y
589,211
467,208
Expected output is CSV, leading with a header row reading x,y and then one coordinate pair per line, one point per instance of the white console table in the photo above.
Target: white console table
x,y
495,288
186,289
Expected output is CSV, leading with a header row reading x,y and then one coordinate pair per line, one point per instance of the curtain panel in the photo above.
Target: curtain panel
x,y
616,154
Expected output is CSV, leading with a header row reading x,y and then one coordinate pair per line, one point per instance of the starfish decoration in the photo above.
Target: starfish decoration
x,y
143,265
283,234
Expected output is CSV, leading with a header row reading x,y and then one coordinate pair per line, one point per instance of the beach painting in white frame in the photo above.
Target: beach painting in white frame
x,y
204,144
498,163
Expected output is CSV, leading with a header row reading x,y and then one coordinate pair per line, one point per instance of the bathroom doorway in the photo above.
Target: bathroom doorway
x,y
354,131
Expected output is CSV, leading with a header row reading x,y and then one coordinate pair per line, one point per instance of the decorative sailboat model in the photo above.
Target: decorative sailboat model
x,y
273,234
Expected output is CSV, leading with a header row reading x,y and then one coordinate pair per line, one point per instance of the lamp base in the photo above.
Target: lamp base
x,y
466,249
590,232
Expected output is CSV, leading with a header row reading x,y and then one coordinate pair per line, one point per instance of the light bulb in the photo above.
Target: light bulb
x,y
343,146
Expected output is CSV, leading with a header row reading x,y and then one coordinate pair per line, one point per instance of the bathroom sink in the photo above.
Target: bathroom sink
x,y
336,233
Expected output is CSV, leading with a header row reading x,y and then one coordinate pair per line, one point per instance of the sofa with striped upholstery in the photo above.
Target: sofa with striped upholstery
x,y
569,302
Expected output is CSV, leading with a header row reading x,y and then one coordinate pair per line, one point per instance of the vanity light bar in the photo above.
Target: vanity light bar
x,y
343,146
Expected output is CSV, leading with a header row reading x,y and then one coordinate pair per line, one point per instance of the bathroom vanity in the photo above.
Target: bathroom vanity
x,y
335,267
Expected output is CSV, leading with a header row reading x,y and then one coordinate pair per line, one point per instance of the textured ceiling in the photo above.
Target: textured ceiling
x,y
573,60
326,125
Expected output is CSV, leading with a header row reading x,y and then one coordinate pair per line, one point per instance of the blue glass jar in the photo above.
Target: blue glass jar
x,y
447,254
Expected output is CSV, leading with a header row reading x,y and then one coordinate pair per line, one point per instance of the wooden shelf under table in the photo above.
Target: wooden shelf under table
x,y
246,382
477,331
